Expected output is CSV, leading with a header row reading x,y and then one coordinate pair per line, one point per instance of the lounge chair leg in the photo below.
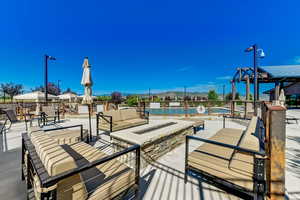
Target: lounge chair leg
x,y
136,193
22,161
185,176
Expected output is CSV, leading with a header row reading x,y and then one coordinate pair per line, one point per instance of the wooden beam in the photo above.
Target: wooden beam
x,y
247,87
247,105
275,148
277,91
233,94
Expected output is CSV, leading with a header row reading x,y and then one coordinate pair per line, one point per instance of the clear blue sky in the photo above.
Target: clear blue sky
x,y
135,45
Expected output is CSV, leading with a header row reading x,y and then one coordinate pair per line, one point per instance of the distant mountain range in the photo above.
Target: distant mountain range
x,y
177,93
165,94
180,93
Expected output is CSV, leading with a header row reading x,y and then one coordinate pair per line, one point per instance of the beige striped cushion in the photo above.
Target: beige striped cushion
x,y
116,115
252,126
55,159
74,188
67,136
127,114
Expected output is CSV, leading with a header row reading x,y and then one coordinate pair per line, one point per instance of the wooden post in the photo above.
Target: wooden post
x,y
233,94
247,87
277,91
186,108
275,148
247,104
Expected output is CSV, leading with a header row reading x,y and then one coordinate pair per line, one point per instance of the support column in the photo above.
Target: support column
x,y
247,87
275,149
233,93
277,91
248,106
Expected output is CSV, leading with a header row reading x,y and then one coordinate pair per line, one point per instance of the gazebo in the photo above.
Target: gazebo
x,y
37,97
68,96
34,96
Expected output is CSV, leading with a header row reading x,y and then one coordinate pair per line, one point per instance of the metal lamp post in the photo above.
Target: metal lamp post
x,y
46,75
255,50
58,86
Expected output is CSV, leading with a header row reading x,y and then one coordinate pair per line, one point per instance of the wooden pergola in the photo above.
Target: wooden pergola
x,y
278,75
266,74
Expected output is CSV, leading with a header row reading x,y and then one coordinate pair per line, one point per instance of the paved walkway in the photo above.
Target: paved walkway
x,y
161,180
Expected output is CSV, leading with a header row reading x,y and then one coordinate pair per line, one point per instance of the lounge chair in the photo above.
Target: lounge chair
x,y
115,120
77,171
11,118
2,126
291,118
3,121
232,160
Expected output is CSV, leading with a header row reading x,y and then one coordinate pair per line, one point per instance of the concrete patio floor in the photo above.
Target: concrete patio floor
x,y
163,179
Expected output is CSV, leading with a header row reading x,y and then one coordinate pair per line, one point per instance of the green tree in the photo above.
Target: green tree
x,y
250,97
212,95
3,88
52,89
103,98
156,99
132,100
229,96
11,89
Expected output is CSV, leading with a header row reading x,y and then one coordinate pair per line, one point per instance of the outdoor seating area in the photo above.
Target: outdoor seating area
x,y
231,159
150,100
58,162
74,171
115,120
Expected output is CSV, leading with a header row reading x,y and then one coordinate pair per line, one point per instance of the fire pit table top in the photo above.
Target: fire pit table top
x,y
148,133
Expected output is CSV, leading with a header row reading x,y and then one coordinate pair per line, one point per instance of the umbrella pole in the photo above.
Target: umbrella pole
x,y
90,124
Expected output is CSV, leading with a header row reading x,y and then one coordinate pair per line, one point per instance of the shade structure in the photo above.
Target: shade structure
x,y
36,96
68,96
87,82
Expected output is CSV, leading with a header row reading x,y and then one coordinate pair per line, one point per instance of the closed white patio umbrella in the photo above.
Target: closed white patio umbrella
x,y
87,82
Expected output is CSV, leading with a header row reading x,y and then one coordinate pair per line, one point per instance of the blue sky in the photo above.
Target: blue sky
x,y
136,45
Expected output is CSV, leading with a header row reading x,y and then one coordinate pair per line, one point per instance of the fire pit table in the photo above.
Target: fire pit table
x,y
156,138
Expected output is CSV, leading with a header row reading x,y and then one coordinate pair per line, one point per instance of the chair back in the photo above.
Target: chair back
x,y
11,115
48,110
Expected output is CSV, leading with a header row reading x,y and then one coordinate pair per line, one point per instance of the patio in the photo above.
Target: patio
x,y
162,179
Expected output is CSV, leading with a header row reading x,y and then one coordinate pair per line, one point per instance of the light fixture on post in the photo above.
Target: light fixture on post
x,y
256,53
46,75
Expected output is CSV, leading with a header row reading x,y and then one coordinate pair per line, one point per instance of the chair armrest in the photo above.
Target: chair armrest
x,y
240,149
109,120
146,114
65,127
55,179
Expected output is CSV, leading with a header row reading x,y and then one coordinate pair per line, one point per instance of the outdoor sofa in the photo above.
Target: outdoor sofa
x,y
76,171
232,160
115,120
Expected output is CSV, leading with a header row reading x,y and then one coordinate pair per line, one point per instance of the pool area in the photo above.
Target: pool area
x,y
182,111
